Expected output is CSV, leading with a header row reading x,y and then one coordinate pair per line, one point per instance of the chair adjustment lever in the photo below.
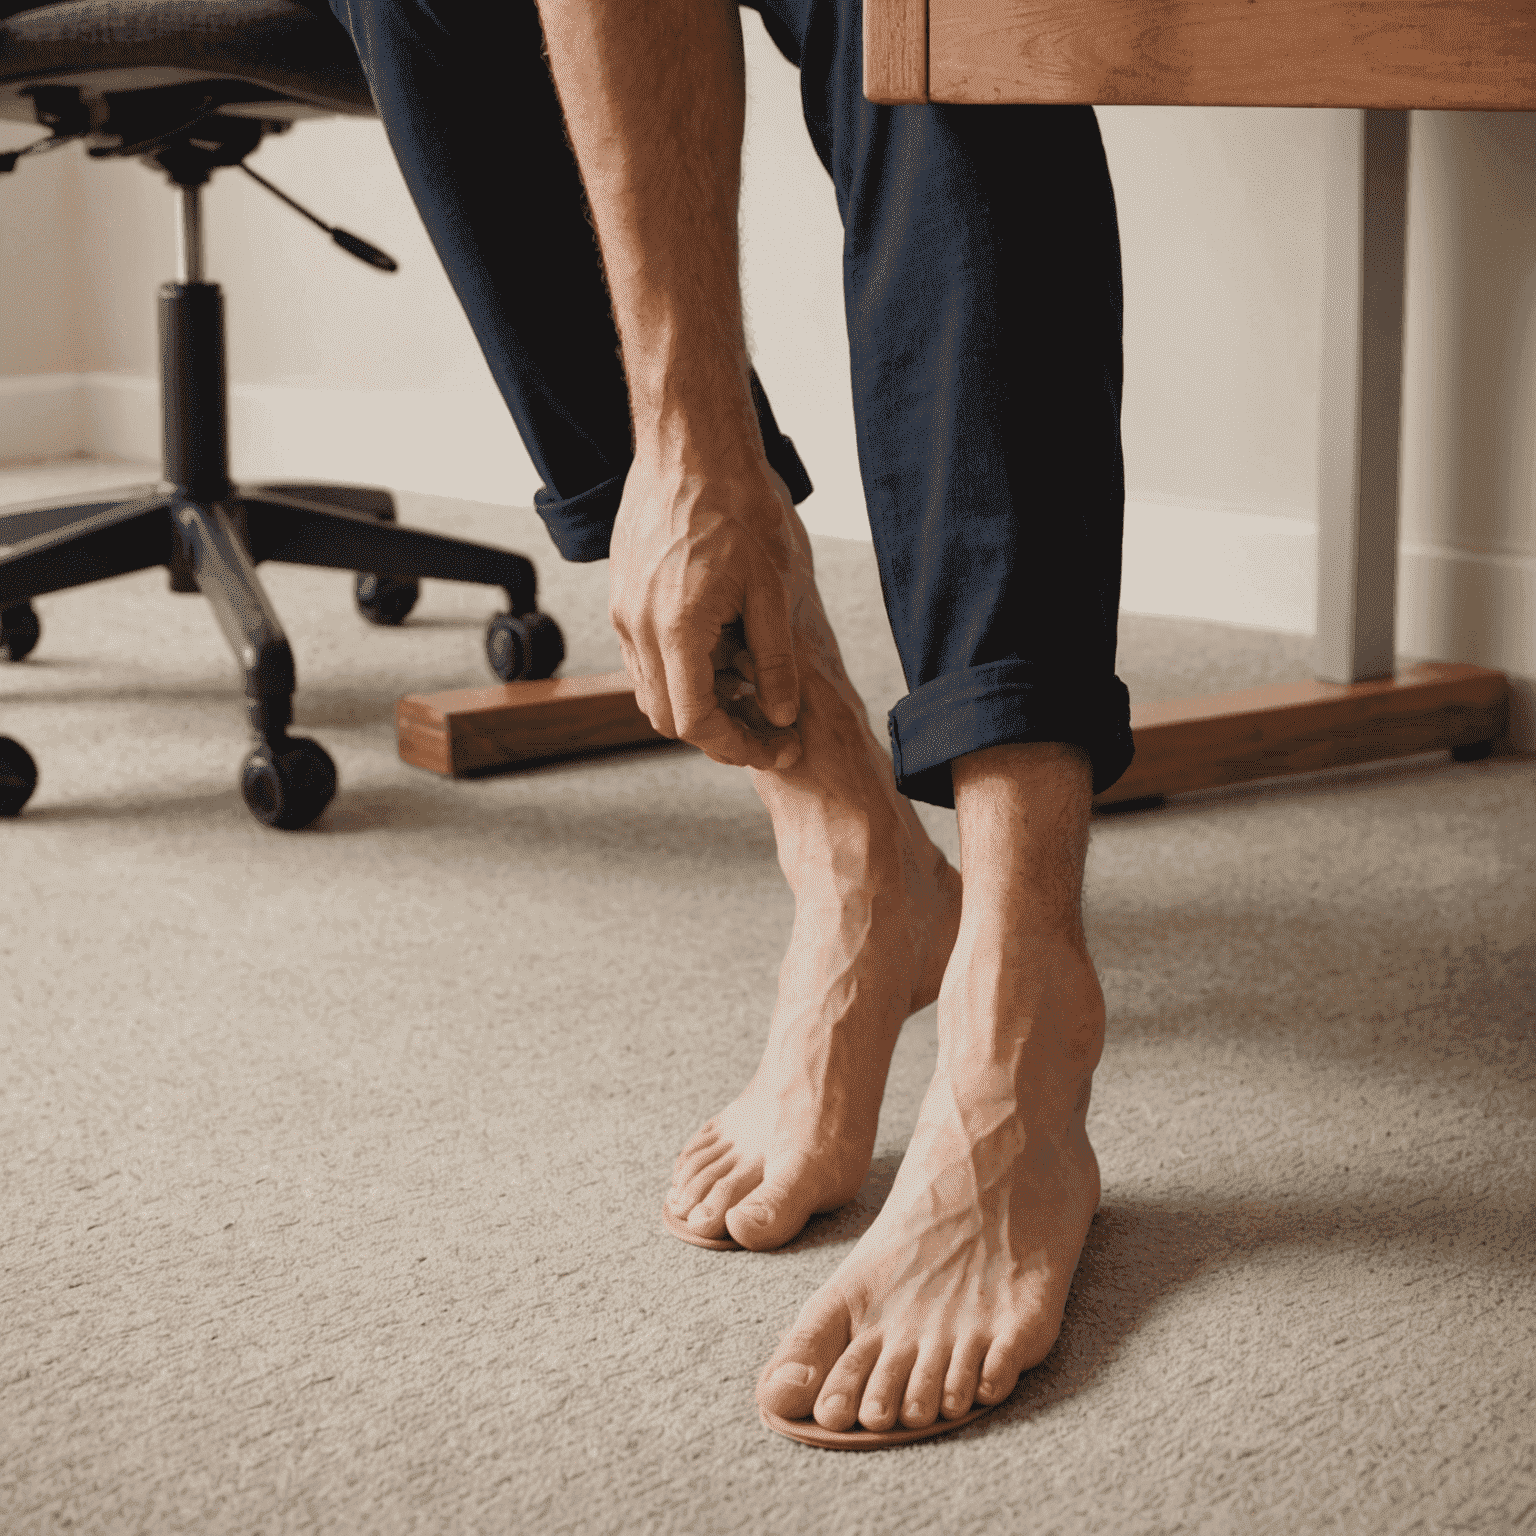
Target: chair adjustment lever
x,y
344,238
36,147
60,110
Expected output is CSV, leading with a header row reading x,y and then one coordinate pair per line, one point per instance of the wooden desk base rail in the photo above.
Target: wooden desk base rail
x,y
1181,745
470,729
1260,733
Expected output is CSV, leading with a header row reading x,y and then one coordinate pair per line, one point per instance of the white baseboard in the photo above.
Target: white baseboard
x,y
1227,565
1259,571
42,416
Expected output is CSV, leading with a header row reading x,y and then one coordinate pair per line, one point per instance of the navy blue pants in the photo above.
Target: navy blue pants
x,y
981,279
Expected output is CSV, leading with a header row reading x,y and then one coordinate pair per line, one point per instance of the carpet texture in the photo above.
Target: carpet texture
x,y
333,1160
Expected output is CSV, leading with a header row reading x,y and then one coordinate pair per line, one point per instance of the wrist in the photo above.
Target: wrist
x,y
708,430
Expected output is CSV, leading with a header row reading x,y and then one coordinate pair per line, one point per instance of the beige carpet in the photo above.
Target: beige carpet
x,y
333,1160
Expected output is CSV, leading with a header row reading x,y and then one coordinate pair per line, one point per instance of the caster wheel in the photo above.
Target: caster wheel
x,y
523,647
19,630
383,599
18,776
287,784
1471,751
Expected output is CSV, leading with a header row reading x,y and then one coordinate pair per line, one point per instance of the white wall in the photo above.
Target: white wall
x,y
341,371
43,265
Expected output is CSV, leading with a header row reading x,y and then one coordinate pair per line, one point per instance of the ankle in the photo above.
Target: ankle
x,y
1024,924
1026,1002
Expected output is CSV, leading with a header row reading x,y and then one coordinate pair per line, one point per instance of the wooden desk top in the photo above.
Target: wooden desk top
x,y
1463,55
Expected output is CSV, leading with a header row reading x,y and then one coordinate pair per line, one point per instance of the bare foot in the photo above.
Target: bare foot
x,y
867,949
960,1282
877,907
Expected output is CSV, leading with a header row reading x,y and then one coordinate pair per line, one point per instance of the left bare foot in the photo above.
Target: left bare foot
x,y
877,907
960,1283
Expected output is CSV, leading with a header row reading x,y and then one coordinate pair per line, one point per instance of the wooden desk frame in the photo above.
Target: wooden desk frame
x,y
1380,58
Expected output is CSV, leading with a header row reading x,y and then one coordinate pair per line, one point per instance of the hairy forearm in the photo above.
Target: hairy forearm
x,y
654,95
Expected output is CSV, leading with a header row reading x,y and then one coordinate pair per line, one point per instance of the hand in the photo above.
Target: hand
x,y
700,593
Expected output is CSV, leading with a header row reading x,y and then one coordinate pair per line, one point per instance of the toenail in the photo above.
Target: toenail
x,y
757,1214
952,1403
834,1404
698,1217
875,1410
793,1375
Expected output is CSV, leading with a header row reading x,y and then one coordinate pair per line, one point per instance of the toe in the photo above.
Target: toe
x,y
925,1386
793,1377
686,1193
961,1378
778,1209
838,1405
699,1154
887,1387
708,1217
999,1372
706,1134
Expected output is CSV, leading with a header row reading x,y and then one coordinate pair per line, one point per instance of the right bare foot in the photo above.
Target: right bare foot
x,y
877,907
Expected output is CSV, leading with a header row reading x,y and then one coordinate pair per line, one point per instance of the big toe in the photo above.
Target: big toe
x,y
797,1368
772,1214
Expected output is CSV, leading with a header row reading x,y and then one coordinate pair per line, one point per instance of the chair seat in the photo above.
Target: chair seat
x,y
296,59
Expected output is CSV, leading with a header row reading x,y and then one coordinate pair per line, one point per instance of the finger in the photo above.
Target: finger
x,y
650,687
736,694
741,736
731,650
741,704
728,741
769,639
783,742
689,675
700,720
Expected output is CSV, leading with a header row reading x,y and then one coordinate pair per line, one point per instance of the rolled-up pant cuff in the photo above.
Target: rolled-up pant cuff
x,y
582,525
1001,702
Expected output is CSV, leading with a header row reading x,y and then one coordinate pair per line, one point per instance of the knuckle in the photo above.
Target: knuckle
x,y
695,726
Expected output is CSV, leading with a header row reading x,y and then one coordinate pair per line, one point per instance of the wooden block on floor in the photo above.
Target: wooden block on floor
x,y
1259,733
477,728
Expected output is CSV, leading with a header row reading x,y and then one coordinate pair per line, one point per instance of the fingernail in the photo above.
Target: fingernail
x,y
792,1375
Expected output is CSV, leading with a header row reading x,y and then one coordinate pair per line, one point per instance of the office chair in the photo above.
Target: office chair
x,y
189,87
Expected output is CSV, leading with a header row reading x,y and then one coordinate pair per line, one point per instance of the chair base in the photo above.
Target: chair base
x,y
214,546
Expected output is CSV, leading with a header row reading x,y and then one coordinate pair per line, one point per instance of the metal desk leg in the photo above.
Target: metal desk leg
x,y
1360,406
